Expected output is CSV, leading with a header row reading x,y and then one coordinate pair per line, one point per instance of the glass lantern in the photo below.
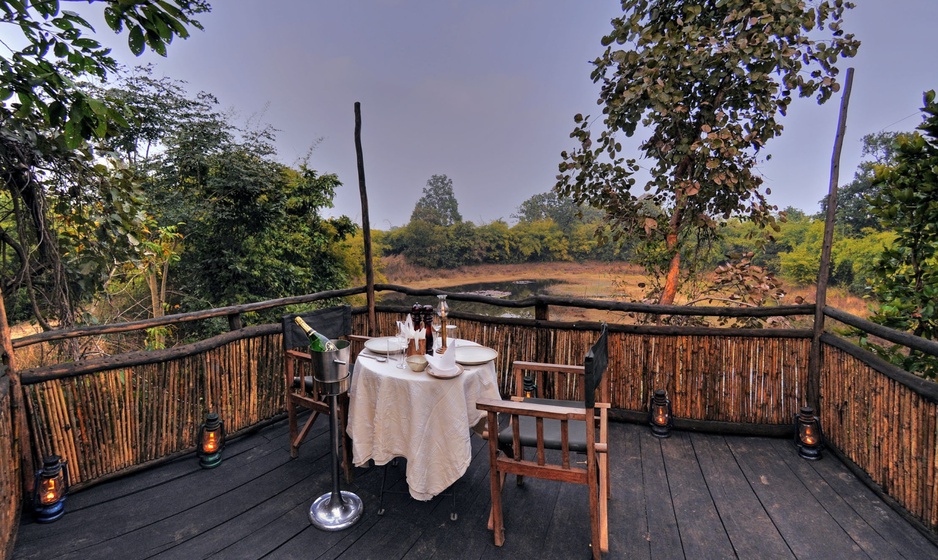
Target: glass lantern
x,y
660,416
51,487
211,441
808,436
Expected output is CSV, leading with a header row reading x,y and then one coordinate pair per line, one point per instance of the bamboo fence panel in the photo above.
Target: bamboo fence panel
x,y
10,485
753,379
885,428
114,419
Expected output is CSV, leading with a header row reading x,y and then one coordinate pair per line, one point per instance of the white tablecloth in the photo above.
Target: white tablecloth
x,y
399,413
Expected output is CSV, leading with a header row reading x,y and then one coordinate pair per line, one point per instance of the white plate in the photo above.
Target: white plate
x,y
474,355
381,345
456,373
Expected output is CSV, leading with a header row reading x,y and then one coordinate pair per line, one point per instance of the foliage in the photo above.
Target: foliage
x,y
251,227
70,211
853,199
58,52
431,245
67,216
798,243
708,79
494,239
739,282
438,205
906,279
563,211
801,262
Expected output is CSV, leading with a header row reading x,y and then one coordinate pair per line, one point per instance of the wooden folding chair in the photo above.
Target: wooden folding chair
x,y
562,425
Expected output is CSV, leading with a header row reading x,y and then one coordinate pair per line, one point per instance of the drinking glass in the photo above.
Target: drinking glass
x,y
400,341
451,334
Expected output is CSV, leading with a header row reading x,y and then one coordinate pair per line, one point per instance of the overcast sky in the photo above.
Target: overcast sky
x,y
484,91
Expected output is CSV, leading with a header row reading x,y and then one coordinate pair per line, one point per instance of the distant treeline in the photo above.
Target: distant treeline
x,y
791,253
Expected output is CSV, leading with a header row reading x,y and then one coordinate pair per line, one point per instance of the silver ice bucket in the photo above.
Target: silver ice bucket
x,y
331,368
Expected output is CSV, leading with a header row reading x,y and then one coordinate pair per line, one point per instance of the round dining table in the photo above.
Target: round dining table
x,y
427,420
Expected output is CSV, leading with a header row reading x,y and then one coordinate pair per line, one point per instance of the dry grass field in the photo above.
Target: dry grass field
x,y
593,280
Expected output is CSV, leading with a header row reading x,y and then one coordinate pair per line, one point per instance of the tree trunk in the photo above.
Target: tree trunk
x,y
674,248
674,272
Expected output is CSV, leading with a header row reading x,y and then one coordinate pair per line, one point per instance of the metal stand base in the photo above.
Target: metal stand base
x,y
336,510
330,514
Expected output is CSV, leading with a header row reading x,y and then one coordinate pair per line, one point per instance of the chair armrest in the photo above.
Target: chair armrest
x,y
299,355
540,366
528,409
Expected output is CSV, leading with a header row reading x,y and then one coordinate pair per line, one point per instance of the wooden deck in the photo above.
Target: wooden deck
x,y
690,496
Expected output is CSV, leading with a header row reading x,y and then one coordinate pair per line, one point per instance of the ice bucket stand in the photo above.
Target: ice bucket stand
x,y
339,509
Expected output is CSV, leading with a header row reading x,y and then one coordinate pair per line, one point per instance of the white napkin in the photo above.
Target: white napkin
x,y
406,329
444,364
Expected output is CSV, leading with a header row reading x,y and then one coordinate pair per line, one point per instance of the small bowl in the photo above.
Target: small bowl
x,y
417,362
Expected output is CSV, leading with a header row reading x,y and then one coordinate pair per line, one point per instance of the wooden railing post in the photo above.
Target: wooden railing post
x,y
542,313
366,225
813,390
234,322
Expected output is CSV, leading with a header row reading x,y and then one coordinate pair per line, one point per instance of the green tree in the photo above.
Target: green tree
x,y
708,79
423,243
540,241
438,205
494,239
906,280
853,199
563,211
73,211
251,227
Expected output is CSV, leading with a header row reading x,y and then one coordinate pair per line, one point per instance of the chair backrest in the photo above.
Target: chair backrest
x,y
595,365
333,322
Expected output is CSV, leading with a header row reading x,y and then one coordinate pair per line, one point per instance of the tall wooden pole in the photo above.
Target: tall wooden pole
x,y
366,224
813,395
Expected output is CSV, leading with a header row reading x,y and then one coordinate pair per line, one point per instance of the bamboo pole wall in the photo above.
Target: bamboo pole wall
x,y
885,428
111,420
10,486
755,379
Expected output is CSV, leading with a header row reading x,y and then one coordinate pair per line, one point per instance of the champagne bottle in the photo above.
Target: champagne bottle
x,y
317,341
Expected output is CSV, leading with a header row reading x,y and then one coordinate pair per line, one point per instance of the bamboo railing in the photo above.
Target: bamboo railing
x,y
112,415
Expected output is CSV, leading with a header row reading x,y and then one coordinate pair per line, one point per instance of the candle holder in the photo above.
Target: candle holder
x,y
443,312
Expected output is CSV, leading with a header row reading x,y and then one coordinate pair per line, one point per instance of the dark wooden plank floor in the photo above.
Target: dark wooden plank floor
x,y
690,496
